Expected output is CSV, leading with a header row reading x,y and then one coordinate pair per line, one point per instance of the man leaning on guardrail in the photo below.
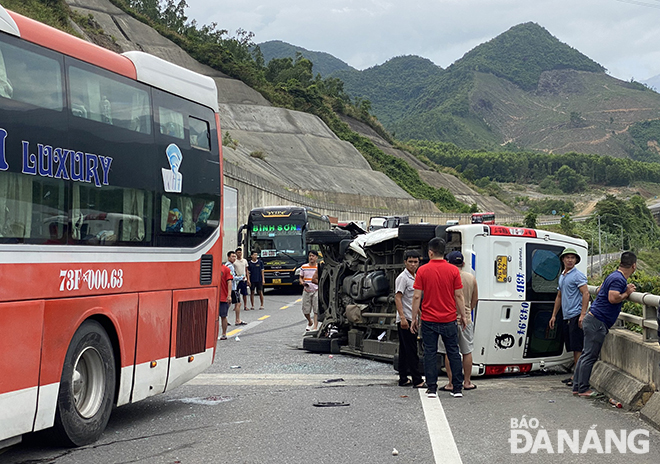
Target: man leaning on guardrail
x,y
601,316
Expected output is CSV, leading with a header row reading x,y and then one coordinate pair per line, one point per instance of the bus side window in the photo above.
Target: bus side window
x,y
29,77
199,133
108,100
171,123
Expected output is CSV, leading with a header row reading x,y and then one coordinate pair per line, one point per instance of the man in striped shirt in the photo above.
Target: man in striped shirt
x,y
310,300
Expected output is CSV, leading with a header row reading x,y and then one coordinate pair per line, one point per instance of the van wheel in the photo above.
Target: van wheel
x,y
321,345
416,232
87,387
327,237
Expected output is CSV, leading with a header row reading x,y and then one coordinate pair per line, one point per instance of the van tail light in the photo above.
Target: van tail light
x,y
511,369
512,231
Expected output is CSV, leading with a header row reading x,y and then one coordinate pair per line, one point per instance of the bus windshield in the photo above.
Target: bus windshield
x,y
277,237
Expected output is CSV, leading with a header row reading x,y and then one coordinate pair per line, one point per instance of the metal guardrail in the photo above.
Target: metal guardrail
x,y
649,319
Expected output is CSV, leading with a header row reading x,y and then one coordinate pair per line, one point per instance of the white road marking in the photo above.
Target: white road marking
x,y
444,447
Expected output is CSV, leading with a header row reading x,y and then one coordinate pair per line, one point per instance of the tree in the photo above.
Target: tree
x,y
530,220
570,181
567,225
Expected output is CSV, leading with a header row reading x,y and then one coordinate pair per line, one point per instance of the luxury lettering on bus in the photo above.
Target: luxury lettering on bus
x,y
67,164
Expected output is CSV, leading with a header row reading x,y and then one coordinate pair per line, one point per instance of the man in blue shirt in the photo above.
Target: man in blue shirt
x,y
573,298
601,316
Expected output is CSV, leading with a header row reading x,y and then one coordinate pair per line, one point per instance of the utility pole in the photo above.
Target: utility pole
x,y
621,236
600,258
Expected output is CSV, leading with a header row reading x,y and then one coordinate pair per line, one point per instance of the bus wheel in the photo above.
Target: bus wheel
x,y
87,387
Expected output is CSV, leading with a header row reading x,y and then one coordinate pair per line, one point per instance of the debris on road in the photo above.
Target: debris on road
x,y
395,452
333,380
330,404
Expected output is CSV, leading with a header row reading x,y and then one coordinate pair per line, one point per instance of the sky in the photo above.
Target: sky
x,y
621,35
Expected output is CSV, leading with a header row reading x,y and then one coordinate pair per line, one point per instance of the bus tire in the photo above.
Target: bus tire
x,y
87,387
327,237
416,232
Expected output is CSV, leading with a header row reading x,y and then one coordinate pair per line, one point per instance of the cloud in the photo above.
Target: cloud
x,y
620,35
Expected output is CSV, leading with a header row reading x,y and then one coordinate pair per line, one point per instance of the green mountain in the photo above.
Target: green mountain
x,y
391,87
324,63
524,89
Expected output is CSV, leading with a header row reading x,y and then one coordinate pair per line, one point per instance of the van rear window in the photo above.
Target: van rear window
x,y
544,267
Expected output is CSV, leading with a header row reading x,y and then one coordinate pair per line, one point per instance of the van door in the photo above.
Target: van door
x,y
543,268
500,272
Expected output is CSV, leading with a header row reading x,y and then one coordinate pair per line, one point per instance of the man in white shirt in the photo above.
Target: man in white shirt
x,y
408,357
240,265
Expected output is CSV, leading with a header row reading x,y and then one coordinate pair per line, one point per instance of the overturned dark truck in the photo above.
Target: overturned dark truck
x,y
356,287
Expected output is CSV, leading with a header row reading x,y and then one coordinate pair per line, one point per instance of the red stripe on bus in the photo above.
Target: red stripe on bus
x,y
54,39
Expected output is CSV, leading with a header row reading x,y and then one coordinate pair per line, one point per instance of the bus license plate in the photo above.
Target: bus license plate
x,y
501,265
277,281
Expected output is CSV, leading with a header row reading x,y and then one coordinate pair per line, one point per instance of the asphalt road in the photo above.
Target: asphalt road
x,y
256,405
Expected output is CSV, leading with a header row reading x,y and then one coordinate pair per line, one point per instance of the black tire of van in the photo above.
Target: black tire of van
x,y
327,237
416,232
321,345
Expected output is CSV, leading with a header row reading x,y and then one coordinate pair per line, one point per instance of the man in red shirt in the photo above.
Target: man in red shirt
x,y
440,284
226,279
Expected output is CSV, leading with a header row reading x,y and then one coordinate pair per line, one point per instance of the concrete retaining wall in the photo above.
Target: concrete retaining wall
x,y
255,191
629,371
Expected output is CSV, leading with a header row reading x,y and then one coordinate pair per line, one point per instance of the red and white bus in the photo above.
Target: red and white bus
x,y
110,229
483,218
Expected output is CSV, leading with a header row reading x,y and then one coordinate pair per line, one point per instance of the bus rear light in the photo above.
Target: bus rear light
x,y
512,231
191,359
512,369
153,364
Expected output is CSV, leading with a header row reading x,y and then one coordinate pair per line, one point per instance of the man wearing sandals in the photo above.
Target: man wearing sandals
x,y
601,316
408,358
465,335
439,284
573,298
226,281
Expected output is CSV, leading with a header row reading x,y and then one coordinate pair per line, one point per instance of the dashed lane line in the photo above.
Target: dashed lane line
x,y
444,447
263,318
242,328
288,305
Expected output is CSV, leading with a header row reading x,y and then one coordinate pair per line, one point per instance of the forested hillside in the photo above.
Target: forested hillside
x,y
524,89
393,87
324,63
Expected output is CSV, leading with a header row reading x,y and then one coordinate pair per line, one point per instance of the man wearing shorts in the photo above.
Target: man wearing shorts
x,y
240,267
226,280
235,298
465,335
310,300
573,297
255,276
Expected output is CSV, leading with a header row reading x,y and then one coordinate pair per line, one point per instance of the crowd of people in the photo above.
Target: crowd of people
x,y
238,277
437,301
